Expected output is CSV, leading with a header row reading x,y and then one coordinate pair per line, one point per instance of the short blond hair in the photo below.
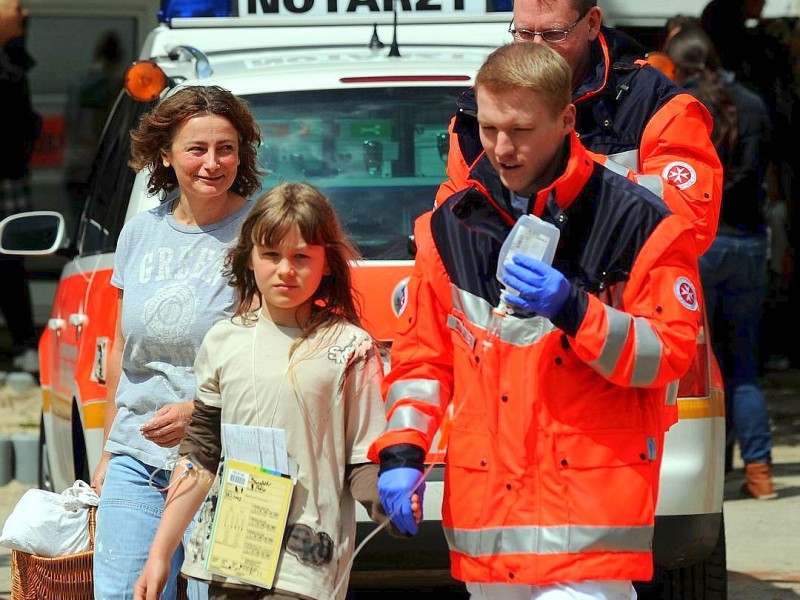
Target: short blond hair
x,y
525,65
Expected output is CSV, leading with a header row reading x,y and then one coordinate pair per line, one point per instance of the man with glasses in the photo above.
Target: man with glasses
x,y
646,125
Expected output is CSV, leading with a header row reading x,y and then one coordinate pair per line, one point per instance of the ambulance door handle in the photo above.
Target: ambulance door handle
x,y
78,319
56,324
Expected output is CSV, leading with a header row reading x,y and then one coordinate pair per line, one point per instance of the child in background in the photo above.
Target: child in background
x,y
299,363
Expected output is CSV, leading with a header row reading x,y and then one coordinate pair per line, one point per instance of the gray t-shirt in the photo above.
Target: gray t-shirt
x,y
174,293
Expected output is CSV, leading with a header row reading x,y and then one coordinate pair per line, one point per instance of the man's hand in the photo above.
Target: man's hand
x,y
401,491
541,288
168,425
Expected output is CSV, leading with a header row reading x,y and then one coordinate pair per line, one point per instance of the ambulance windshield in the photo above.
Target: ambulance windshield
x,y
378,153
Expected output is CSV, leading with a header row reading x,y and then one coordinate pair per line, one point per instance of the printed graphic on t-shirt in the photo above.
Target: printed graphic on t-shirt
x,y
341,354
180,264
170,312
172,284
309,546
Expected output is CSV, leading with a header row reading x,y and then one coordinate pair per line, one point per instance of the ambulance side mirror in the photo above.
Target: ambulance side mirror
x,y
36,233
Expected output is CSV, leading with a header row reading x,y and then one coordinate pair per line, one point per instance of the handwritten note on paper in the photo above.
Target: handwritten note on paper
x,y
249,523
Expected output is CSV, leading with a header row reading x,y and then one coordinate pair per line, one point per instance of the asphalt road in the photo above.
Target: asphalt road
x,y
763,537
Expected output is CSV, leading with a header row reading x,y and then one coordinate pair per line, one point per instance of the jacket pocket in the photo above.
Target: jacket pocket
x,y
609,477
467,476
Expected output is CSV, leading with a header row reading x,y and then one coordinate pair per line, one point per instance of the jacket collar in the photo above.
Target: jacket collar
x,y
597,75
574,171
612,47
577,167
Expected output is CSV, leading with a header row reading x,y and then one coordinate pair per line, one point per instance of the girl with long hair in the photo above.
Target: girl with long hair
x,y
299,362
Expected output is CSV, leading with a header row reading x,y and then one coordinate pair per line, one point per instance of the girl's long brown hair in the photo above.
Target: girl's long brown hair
x,y
271,218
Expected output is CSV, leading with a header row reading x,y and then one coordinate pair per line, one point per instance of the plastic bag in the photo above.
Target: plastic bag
x,y
49,524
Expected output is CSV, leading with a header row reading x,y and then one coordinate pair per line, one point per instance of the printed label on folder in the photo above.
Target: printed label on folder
x,y
249,523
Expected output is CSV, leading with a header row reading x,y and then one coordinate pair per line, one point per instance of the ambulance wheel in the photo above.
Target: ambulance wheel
x,y
705,580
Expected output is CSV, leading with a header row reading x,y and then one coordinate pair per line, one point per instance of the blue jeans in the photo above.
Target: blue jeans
x,y
734,278
127,520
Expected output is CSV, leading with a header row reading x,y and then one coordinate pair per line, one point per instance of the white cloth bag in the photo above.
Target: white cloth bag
x,y
49,524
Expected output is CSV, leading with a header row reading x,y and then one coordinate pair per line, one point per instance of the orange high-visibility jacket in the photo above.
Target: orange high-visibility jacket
x,y
552,460
638,118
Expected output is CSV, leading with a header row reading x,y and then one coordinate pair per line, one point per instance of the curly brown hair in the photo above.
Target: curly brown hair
x,y
270,219
157,129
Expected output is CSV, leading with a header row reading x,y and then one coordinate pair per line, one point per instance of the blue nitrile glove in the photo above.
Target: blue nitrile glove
x,y
395,488
542,289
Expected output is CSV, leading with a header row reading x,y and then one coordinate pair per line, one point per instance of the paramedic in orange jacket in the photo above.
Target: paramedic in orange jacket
x,y
552,460
630,113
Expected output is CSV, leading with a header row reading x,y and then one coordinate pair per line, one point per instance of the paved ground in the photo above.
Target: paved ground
x,y
763,538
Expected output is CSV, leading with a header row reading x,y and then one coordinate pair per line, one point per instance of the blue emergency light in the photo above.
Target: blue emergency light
x,y
171,9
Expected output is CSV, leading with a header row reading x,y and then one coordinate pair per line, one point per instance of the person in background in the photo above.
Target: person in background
x,y
675,24
734,269
778,350
556,433
747,47
20,130
89,103
300,363
725,22
200,146
648,126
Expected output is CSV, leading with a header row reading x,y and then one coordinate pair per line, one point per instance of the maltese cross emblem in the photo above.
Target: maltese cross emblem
x,y
680,174
685,293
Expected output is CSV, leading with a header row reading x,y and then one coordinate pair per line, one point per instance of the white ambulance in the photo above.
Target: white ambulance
x,y
355,99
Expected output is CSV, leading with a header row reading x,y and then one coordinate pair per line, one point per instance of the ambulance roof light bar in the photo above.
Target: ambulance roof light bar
x,y
171,9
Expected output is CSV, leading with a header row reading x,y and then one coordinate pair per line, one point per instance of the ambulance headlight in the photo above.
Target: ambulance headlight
x,y
171,9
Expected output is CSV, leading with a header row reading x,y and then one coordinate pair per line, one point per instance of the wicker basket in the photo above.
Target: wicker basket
x,y
58,578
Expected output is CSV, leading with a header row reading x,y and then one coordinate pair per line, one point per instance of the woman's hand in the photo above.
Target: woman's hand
x,y
99,475
168,425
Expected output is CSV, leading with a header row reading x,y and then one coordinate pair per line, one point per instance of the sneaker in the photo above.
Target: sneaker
x,y
27,361
758,482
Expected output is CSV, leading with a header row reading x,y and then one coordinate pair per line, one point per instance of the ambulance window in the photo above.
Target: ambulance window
x,y
111,181
378,153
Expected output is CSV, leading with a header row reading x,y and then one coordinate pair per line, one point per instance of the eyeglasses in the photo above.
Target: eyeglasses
x,y
550,36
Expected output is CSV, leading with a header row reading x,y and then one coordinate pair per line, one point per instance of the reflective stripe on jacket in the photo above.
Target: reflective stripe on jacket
x,y
553,456
638,118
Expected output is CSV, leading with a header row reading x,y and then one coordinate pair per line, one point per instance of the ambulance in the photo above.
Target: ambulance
x,y
353,96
